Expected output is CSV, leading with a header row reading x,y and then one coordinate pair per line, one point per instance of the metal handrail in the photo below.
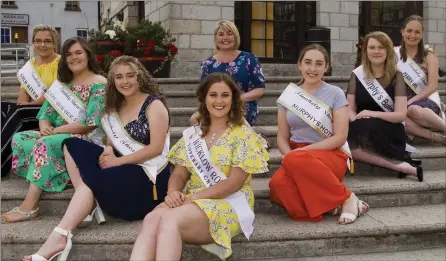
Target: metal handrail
x,y
17,49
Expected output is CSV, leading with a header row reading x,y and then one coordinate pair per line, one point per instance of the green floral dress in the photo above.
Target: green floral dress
x,y
40,159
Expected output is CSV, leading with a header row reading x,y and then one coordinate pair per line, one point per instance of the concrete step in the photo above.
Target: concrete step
x,y
272,83
378,191
275,236
433,254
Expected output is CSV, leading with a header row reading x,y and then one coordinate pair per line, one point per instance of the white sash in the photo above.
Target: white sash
x,y
126,145
379,95
31,81
416,79
313,111
198,154
70,107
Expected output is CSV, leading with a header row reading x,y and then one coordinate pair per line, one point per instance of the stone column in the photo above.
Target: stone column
x,y
434,14
342,19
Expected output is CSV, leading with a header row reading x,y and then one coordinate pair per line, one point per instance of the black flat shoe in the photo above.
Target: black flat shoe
x,y
402,175
420,174
415,162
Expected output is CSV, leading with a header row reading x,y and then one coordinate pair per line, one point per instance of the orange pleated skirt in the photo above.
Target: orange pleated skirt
x,y
309,182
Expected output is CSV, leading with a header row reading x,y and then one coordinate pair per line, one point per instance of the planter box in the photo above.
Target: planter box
x,y
108,46
153,63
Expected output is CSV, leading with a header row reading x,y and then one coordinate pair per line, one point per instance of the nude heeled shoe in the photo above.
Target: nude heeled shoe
x,y
97,213
62,255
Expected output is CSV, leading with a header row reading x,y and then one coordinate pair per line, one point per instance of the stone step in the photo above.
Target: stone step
x,y
275,236
272,83
433,254
271,133
377,190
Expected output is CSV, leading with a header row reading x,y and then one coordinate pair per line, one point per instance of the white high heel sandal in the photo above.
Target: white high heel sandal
x,y
97,213
62,255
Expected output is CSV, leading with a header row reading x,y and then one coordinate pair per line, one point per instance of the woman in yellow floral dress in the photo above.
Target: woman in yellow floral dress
x,y
203,215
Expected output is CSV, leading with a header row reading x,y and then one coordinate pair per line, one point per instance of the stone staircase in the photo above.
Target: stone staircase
x,y
406,221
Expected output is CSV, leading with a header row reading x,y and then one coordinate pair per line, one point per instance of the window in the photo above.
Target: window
x,y
82,33
386,16
274,31
6,35
9,4
72,6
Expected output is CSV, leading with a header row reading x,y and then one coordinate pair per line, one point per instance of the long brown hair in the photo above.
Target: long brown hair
x,y
310,47
391,61
114,99
64,74
236,112
421,52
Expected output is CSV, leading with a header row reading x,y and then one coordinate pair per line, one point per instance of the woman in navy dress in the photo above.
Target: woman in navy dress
x,y
119,185
423,114
244,67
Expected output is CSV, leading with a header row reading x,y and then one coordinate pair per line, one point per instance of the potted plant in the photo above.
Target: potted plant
x,y
153,46
112,38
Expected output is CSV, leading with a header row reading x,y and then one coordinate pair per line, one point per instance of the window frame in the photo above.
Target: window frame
x,y
82,29
244,22
10,5
365,25
72,6
10,34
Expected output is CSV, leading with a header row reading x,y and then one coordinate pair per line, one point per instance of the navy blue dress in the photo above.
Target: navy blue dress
x,y
124,191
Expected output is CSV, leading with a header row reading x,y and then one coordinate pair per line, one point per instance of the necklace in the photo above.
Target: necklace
x,y
214,134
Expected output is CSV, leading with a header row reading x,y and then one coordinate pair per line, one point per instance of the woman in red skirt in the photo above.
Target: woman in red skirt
x,y
312,134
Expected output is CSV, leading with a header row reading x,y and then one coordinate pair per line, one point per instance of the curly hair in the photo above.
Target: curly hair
x,y
236,113
51,30
64,74
114,99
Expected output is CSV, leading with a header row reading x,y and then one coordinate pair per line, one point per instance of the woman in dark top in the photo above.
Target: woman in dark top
x,y
244,67
121,186
377,136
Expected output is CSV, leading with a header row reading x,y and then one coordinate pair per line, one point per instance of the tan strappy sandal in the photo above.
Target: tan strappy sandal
x,y
27,215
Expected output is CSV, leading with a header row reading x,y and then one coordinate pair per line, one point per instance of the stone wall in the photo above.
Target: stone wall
x,y
342,19
434,14
193,24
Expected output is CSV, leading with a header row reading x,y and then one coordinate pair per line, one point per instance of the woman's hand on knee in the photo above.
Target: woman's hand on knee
x,y
175,199
162,205
46,131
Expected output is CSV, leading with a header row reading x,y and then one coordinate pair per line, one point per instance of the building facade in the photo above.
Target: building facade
x,y
70,18
275,31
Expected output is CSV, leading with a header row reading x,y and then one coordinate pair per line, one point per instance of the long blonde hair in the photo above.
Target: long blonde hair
x,y
391,61
51,30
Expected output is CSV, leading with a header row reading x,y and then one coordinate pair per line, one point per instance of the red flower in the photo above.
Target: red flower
x,y
147,52
172,49
115,53
100,57
150,45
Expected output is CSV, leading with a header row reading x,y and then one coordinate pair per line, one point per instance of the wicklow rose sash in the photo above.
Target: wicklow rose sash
x,y
379,95
416,79
198,154
314,112
70,107
126,145
31,81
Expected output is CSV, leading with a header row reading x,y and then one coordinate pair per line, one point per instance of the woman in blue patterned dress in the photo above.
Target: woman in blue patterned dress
x,y
423,114
244,67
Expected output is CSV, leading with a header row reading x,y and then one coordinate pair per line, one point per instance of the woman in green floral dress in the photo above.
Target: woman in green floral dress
x,y
38,155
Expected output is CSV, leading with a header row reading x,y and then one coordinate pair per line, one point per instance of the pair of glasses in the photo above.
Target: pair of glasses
x,y
45,42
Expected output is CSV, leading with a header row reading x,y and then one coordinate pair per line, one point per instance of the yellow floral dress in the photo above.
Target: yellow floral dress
x,y
237,147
